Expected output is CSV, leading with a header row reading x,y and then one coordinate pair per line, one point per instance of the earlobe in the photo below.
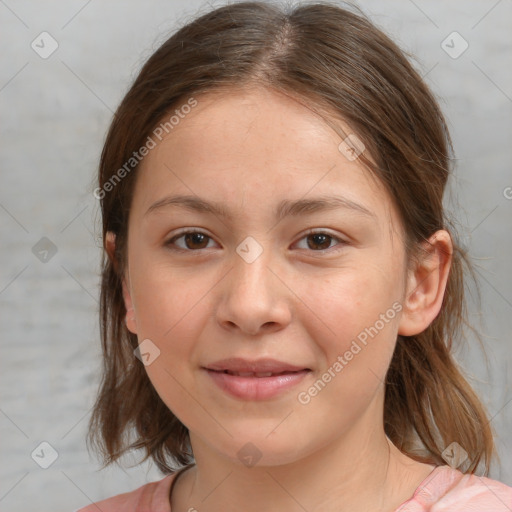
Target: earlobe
x,y
426,285
130,321
110,247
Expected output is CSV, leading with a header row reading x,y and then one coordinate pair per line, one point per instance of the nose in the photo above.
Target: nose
x,y
254,298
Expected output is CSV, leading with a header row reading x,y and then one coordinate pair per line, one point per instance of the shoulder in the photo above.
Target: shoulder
x,y
448,490
151,497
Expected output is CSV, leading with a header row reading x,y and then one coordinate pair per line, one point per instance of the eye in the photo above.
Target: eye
x,y
192,239
320,241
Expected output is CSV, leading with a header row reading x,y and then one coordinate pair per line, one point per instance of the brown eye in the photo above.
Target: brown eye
x,y
321,241
193,240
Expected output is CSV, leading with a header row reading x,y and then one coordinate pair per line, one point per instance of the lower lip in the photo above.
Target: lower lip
x,y
256,388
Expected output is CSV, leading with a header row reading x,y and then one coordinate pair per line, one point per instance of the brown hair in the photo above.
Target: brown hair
x,y
337,62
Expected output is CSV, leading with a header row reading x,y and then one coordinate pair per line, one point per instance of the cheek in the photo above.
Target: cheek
x,y
166,298
351,300
171,310
354,324
356,348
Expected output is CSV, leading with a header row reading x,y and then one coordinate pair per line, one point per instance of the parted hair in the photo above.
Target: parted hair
x,y
338,63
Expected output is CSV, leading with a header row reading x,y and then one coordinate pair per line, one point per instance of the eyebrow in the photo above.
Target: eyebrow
x,y
284,209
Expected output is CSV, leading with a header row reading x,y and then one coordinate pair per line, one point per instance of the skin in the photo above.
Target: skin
x,y
299,301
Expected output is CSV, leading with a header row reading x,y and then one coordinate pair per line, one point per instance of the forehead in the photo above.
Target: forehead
x,y
247,127
254,147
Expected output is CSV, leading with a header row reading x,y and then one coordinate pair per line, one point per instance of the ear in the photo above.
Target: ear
x,y
426,284
110,246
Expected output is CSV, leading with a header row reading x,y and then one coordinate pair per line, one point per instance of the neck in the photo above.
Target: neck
x,y
360,471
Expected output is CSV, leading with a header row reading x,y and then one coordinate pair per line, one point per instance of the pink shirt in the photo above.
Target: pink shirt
x,y
444,490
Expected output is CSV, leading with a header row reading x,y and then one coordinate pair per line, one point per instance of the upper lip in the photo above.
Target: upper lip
x,y
238,364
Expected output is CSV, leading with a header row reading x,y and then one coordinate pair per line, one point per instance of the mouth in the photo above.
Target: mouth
x,y
263,367
255,385
258,374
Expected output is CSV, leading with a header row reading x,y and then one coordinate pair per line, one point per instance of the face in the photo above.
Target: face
x,y
316,288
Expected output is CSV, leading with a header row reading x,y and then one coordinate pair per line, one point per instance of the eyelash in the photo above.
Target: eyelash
x,y
170,242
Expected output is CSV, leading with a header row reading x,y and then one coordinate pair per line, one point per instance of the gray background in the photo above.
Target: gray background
x,y
55,113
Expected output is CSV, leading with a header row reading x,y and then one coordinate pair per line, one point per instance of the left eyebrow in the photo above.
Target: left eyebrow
x,y
284,209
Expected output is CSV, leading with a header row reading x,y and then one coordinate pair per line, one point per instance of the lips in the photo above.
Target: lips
x,y
261,379
255,374
256,368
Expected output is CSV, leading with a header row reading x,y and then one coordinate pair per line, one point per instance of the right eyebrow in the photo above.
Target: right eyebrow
x,y
284,209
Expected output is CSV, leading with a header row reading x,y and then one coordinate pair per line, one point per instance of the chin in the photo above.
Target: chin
x,y
258,449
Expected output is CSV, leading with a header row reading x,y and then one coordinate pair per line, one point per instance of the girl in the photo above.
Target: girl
x,y
280,288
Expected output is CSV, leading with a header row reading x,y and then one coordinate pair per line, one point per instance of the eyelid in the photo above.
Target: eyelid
x,y
323,231
312,231
315,231
170,241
